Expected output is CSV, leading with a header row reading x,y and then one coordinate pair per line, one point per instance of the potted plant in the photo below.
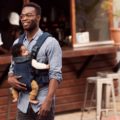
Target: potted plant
x,y
107,6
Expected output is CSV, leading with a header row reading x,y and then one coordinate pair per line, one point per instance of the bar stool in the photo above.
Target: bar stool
x,y
99,82
109,74
113,76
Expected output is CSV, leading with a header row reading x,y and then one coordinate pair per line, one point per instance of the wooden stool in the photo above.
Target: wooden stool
x,y
99,82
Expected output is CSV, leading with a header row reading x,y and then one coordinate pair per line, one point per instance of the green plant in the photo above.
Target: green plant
x,y
107,6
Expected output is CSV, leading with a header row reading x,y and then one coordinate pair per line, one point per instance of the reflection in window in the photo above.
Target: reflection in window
x,y
90,17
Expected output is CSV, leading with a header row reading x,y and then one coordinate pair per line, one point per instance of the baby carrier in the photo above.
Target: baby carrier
x,y
38,74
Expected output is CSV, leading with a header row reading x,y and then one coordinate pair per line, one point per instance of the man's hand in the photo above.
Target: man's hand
x,y
16,84
46,105
45,108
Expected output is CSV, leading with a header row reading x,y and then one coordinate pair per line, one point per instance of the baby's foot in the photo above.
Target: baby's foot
x,y
15,100
34,101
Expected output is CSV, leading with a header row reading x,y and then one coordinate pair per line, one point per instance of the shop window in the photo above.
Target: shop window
x,y
56,19
90,18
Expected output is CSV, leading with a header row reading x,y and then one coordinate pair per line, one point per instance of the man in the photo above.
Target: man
x,y
51,52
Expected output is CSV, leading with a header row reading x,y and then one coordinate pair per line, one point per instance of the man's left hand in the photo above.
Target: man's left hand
x,y
45,108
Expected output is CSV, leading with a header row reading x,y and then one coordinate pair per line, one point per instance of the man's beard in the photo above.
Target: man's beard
x,y
31,27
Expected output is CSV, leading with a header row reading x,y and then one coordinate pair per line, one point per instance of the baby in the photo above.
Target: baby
x,y
24,66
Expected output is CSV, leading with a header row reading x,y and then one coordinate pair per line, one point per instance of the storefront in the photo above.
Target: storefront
x,y
63,19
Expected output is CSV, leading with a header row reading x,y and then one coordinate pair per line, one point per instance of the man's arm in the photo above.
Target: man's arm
x,y
55,75
45,108
15,83
12,80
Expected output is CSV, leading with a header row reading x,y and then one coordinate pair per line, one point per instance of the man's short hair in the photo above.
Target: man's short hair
x,y
34,5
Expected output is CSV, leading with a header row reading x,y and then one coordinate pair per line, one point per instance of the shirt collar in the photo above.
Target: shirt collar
x,y
37,34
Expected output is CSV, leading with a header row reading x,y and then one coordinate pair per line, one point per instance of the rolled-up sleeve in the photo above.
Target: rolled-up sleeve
x,y
55,60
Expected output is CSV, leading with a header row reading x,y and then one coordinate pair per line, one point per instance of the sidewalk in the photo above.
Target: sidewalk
x,y
87,116
91,115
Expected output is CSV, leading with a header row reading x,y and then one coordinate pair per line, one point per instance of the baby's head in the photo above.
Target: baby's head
x,y
19,50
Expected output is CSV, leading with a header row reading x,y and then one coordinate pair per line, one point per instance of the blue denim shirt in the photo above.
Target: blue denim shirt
x,y
51,52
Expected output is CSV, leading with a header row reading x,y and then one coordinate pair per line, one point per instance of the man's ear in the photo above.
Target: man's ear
x,y
38,17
